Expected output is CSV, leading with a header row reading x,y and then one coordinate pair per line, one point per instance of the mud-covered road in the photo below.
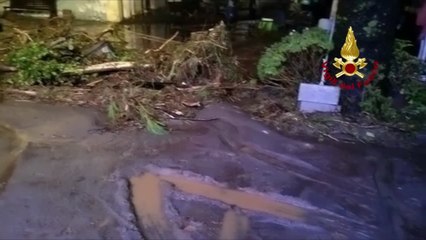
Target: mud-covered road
x,y
231,178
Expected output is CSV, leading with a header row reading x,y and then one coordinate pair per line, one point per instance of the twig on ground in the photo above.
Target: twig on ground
x,y
197,120
104,32
238,87
84,35
340,121
24,92
166,42
212,42
148,37
92,84
329,136
23,33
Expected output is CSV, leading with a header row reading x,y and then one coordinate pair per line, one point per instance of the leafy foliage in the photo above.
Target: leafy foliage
x,y
375,103
113,111
36,64
404,74
415,111
378,105
153,126
405,67
298,54
121,111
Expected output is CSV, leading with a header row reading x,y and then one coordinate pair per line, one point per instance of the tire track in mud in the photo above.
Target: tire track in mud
x,y
291,165
348,193
390,218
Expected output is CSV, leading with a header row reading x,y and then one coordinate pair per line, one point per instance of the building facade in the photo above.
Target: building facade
x,y
97,10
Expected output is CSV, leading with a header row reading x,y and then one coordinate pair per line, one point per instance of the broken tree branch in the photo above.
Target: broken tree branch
x,y
167,42
104,32
23,33
164,44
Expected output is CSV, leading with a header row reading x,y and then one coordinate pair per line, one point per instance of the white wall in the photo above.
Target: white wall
x,y
2,5
84,9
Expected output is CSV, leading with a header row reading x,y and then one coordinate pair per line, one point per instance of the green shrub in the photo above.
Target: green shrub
x,y
415,111
36,64
375,103
404,74
405,68
378,105
297,55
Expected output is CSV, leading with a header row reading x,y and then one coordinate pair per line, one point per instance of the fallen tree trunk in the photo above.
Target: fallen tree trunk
x,y
107,67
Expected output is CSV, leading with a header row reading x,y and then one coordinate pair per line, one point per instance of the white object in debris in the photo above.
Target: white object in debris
x,y
321,98
315,98
326,24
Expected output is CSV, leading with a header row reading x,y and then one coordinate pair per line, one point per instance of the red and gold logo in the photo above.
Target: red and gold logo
x,y
350,53
350,66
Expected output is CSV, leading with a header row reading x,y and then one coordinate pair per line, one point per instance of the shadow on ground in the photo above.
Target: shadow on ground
x,y
231,178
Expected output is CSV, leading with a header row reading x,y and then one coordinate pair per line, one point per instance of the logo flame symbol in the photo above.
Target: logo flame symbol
x,y
350,50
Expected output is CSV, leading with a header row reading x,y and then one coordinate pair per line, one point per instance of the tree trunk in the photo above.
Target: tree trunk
x,y
374,24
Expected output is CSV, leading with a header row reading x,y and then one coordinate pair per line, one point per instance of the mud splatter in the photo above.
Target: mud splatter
x,y
238,198
148,199
11,146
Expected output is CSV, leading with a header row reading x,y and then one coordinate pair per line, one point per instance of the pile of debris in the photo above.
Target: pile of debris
x,y
169,81
146,87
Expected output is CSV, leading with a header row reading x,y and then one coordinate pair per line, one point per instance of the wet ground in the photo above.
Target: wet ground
x,y
231,178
